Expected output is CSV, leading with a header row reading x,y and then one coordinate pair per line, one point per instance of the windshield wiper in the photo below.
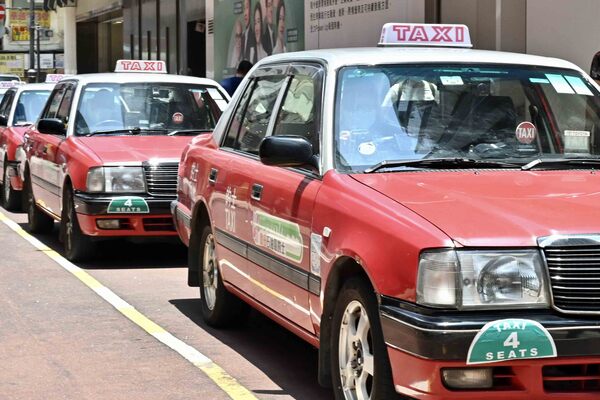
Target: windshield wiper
x,y
131,131
561,162
187,131
440,163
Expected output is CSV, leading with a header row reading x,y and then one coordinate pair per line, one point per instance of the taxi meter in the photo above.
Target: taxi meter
x,y
147,66
444,35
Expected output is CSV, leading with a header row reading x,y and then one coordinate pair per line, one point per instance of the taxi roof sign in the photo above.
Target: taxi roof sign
x,y
53,78
146,66
440,35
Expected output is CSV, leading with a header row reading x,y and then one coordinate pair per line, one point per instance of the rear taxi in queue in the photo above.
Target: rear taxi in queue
x,y
427,216
103,157
19,110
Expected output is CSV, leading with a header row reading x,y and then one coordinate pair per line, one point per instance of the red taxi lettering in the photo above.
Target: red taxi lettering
x,y
126,65
442,34
149,66
418,34
401,31
135,66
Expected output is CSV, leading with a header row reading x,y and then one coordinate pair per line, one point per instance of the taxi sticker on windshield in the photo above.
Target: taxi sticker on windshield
x,y
177,118
451,80
128,205
577,141
538,80
577,84
526,132
560,84
511,339
367,148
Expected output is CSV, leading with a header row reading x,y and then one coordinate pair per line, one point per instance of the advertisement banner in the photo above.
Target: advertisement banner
x,y
253,29
19,23
12,64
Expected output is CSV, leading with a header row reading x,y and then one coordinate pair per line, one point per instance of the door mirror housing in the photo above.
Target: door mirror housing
x,y
287,151
3,120
51,126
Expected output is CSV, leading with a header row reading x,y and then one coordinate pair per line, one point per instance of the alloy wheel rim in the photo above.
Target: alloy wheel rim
x,y
210,272
356,361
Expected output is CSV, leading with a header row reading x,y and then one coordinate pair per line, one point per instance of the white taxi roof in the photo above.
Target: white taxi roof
x,y
336,58
128,77
35,86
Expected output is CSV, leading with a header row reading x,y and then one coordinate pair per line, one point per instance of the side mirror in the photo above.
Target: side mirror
x,y
287,151
51,126
3,120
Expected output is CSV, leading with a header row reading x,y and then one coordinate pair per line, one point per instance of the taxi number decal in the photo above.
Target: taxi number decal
x,y
526,132
177,118
128,205
511,339
280,236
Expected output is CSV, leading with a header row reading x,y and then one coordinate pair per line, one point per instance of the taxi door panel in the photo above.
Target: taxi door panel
x,y
46,173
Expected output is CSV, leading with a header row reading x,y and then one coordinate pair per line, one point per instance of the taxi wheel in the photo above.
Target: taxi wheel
x,y
219,308
38,221
359,361
11,199
78,246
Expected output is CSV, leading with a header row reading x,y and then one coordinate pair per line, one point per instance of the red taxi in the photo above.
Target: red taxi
x,y
19,109
103,157
427,216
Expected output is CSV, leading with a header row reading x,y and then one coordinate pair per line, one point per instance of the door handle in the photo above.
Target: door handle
x,y
212,176
256,192
45,150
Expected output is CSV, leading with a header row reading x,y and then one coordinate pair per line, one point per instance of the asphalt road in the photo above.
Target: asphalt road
x,y
60,340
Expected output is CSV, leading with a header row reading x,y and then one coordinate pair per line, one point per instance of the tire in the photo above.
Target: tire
x,y
219,308
357,344
77,245
11,199
38,221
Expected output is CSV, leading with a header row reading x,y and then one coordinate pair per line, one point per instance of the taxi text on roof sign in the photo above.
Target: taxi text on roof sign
x,y
444,35
53,78
154,67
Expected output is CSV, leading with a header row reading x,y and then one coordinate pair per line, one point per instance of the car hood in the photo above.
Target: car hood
x,y
115,149
497,208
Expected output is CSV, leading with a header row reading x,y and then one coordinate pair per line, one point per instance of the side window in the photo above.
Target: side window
x,y
6,102
299,113
258,113
65,105
54,103
236,122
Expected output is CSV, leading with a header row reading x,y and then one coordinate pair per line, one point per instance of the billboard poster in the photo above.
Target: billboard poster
x,y
12,64
354,23
253,29
18,20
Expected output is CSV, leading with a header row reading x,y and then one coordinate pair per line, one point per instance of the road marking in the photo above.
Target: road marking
x,y
218,375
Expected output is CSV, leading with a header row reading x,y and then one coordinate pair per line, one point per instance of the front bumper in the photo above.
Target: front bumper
x,y
430,341
156,222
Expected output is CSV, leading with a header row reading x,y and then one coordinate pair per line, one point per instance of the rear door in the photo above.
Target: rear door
x,y
4,111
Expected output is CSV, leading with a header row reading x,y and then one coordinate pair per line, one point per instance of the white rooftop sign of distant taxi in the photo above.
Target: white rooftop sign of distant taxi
x,y
147,66
442,35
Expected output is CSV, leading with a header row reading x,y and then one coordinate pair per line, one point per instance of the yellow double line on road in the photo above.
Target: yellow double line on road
x,y
217,374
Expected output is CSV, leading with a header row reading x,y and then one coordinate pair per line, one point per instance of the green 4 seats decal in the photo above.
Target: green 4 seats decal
x,y
511,339
128,205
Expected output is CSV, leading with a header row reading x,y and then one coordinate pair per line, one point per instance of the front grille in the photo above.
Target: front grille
x,y
162,179
575,277
577,378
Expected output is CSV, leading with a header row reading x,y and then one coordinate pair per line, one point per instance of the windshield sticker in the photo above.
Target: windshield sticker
x,y
451,80
367,148
577,141
128,205
214,93
511,339
560,84
538,80
280,236
222,104
579,86
526,132
177,118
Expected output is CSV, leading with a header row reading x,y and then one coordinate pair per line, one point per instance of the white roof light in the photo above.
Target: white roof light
x,y
53,78
147,66
442,35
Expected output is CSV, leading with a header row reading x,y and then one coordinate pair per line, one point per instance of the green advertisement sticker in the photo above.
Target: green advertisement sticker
x,y
128,205
278,235
511,339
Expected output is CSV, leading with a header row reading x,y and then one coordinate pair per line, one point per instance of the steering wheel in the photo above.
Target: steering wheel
x,y
108,123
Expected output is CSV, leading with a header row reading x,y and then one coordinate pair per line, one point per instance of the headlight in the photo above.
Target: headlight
x,y
116,180
467,279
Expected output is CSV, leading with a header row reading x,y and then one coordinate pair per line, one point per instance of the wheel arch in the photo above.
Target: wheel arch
x,y
343,269
200,219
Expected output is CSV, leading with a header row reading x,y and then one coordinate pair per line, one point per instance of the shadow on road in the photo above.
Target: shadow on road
x,y
125,253
286,359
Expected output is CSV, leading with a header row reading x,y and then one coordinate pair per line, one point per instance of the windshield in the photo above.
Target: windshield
x,y
157,107
29,106
485,112
9,78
